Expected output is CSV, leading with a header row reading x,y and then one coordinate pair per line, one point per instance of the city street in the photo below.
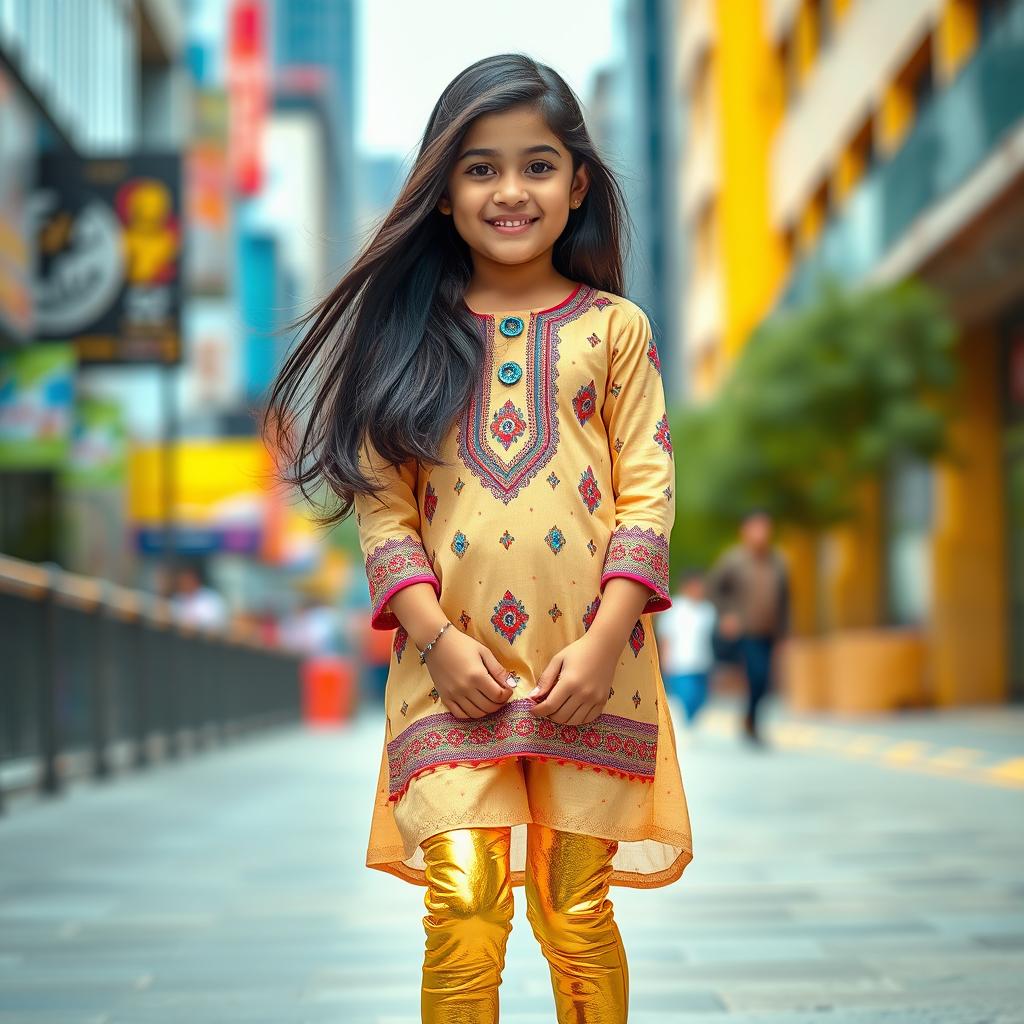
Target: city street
x,y
833,880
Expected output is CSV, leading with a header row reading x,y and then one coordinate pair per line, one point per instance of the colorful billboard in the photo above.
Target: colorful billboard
x,y
109,240
221,496
17,171
37,390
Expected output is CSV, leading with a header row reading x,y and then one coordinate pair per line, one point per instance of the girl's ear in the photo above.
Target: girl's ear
x,y
580,185
444,205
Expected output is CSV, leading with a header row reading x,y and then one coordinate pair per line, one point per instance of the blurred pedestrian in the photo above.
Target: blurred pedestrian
x,y
684,640
749,585
196,603
523,457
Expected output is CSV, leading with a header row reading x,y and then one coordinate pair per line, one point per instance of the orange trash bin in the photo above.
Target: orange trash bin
x,y
328,689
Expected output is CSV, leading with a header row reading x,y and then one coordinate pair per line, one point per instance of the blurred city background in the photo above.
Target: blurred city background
x,y
828,200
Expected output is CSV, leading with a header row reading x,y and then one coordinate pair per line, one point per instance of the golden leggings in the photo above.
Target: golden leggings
x,y
469,904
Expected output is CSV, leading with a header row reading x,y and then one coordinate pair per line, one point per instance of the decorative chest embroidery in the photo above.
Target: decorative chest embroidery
x,y
508,424
589,491
555,539
585,402
460,545
505,478
510,617
429,502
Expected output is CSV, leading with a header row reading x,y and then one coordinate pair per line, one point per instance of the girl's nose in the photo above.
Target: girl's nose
x,y
511,194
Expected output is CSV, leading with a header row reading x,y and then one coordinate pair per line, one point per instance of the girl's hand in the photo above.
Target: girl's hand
x,y
469,678
574,687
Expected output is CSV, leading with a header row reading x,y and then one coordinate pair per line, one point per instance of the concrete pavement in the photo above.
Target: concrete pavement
x,y
229,888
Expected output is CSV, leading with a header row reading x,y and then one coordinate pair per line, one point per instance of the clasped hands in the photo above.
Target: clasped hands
x,y
572,690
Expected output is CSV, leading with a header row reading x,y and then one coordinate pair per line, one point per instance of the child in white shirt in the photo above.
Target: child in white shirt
x,y
684,640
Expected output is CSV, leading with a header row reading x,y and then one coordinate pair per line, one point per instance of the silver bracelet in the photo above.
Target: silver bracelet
x,y
440,633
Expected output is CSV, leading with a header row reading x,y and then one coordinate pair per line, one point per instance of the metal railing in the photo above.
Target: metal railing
x,y
92,674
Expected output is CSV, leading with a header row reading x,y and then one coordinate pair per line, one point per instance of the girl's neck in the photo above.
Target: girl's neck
x,y
501,286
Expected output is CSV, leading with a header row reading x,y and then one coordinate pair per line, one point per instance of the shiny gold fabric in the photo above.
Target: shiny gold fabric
x,y
470,905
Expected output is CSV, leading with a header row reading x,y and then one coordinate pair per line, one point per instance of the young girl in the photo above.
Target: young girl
x,y
480,391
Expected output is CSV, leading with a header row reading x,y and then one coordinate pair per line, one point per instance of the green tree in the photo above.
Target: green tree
x,y
820,398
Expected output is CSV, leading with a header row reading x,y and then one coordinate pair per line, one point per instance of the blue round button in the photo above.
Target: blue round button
x,y
511,326
510,372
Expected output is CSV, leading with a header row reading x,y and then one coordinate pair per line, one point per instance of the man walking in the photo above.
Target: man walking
x,y
749,586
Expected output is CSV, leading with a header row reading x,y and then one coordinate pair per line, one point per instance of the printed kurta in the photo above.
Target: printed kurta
x,y
557,477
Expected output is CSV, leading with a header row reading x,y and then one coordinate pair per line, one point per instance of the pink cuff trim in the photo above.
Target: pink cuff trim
x,y
383,617
640,553
397,563
657,602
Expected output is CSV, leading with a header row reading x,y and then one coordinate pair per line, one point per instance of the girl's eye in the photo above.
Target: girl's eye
x,y
477,167
540,166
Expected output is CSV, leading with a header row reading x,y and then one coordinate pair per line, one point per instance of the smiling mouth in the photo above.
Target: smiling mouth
x,y
512,225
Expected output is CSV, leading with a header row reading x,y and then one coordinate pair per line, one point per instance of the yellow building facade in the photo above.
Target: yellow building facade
x,y
877,140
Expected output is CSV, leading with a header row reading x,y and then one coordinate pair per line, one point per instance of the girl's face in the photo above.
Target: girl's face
x,y
512,187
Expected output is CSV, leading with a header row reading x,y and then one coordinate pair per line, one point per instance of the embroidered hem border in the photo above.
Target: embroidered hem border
x,y
397,563
609,743
641,554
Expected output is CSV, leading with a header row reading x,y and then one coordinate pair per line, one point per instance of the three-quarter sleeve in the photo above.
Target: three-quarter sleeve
x,y
389,534
643,468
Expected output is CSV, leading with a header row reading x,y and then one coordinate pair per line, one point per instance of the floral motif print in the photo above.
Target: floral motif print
x,y
589,491
553,480
662,435
459,484
585,402
465,620
591,612
555,612
460,545
594,340
591,547
429,503
636,637
652,355
616,388
555,539
506,538
508,424
510,617
600,302
401,639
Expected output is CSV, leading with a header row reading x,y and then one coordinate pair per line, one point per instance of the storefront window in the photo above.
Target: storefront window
x,y
909,501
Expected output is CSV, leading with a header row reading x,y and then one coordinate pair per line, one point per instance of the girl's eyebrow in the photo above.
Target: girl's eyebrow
x,y
543,148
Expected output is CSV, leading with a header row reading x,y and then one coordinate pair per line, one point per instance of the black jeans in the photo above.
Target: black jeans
x,y
756,652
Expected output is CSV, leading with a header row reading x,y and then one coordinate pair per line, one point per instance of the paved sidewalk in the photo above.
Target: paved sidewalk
x,y
230,889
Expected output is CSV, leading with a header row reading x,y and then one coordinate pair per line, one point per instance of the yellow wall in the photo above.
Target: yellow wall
x,y
957,36
968,632
750,106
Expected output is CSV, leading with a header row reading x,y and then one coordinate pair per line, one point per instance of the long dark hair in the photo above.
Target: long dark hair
x,y
392,353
